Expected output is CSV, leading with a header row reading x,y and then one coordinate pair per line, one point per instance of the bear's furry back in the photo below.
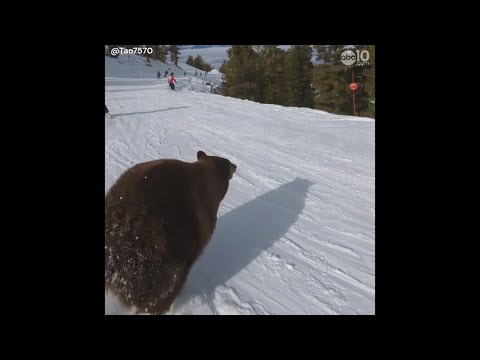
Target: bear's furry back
x,y
159,216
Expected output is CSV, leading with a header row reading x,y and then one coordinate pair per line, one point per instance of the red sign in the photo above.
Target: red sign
x,y
353,86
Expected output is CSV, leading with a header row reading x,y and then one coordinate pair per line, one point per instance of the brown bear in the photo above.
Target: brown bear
x,y
159,216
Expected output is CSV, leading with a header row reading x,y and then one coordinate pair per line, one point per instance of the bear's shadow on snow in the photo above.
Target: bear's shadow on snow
x,y
240,237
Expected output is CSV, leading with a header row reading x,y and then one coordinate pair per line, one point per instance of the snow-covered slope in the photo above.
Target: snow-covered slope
x,y
296,230
137,67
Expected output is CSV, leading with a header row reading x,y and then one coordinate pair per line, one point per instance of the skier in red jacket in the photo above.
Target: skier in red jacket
x,y
171,79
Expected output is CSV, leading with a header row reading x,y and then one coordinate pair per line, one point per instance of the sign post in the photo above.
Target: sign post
x,y
353,87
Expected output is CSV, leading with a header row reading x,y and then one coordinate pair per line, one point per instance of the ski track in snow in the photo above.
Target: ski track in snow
x,y
296,230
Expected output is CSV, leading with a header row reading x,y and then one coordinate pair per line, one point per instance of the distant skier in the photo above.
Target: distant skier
x,y
171,79
107,113
166,72
195,72
184,73
158,75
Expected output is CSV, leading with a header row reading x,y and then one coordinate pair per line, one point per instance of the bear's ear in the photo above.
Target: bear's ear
x,y
233,168
200,155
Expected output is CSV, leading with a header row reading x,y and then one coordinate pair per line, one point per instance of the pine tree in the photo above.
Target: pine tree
x,y
154,54
299,76
273,72
178,55
190,60
242,73
329,54
331,81
198,62
157,51
331,88
146,54
223,67
163,53
369,79
174,53
223,70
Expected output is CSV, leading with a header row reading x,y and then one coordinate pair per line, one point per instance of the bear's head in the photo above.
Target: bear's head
x,y
224,166
218,172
